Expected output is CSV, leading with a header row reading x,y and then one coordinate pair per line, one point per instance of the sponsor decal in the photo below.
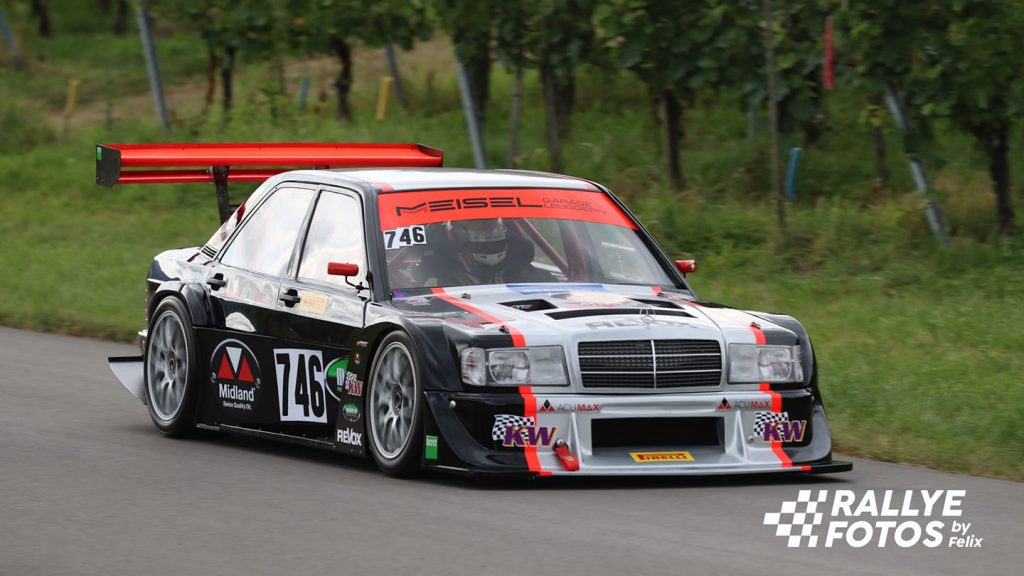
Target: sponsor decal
x,y
627,323
521,432
414,301
594,299
236,375
313,302
744,404
547,406
301,387
353,387
357,358
351,412
337,373
350,437
447,204
877,518
425,207
362,343
405,236
661,456
777,427
430,448
544,288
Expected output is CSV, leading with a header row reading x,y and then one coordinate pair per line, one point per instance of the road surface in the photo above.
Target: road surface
x,y
87,486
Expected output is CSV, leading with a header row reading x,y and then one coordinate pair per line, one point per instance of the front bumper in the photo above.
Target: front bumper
x,y
625,435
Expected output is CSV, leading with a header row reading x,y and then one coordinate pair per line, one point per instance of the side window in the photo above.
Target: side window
x,y
335,235
266,241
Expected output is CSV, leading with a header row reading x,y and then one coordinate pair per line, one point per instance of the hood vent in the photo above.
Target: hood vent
x,y
567,314
658,303
530,305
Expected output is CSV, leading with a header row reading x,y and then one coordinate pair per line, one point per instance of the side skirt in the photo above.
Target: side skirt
x,y
300,440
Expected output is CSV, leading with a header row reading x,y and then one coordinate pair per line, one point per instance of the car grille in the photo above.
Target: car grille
x,y
650,363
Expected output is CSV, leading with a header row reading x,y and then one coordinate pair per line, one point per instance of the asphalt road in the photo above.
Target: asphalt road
x,y
87,486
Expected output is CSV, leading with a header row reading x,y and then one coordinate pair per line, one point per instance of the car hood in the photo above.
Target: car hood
x,y
565,314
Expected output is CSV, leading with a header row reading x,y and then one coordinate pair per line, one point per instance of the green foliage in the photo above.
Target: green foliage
x,y
374,22
555,33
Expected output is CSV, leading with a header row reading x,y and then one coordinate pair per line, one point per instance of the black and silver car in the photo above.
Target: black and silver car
x,y
483,322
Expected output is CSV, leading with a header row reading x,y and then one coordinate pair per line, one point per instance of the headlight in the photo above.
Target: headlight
x,y
538,365
760,363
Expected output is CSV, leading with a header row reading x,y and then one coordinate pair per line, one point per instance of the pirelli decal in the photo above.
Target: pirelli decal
x,y
399,209
661,456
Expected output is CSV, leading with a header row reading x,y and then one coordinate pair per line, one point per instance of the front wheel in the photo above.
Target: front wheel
x,y
394,406
170,369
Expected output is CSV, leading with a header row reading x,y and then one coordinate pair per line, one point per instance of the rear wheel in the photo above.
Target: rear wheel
x,y
394,406
170,369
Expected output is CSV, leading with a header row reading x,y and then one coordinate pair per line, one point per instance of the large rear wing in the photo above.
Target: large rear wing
x,y
246,162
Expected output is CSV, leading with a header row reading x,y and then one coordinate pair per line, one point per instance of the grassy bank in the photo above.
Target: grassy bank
x,y
918,347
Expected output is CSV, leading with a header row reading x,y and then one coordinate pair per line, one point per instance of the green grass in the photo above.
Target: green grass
x,y
918,347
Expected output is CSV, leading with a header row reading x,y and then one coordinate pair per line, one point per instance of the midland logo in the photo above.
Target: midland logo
x,y
877,518
236,374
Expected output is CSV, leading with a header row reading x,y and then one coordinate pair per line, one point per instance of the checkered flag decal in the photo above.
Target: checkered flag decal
x,y
503,421
798,518
762,418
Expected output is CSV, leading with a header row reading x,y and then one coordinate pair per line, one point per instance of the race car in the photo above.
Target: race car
x,y
483,322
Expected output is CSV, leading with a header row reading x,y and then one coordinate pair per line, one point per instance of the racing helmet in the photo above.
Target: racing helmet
x,y
481,242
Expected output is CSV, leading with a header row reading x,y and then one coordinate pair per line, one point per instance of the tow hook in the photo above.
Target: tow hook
x,y
569,462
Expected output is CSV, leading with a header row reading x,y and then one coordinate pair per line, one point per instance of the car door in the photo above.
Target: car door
x,y
244,286
326,316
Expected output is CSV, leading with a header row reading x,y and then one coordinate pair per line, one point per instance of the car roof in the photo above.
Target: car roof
x,y
402,179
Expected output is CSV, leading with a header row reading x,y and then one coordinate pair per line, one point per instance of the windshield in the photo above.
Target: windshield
x,y
444,238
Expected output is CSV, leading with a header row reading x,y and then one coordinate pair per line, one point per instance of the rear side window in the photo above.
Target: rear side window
x,y
335,235
266,241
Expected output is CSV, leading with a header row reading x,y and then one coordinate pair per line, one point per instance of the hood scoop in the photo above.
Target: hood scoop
x,y
530,305
567,314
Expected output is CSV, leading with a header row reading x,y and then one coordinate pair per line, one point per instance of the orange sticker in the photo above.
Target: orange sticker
x,y
426,207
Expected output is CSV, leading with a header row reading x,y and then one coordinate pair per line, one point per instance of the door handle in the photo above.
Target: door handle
x,y
290,297
217,281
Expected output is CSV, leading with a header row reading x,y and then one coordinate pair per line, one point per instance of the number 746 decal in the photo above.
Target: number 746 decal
x,y
406,236
300,385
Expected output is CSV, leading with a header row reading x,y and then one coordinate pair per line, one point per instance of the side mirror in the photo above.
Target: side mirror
x,y
342,269
686,266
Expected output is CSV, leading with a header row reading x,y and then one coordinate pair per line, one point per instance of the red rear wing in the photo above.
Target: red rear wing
x,y
246,162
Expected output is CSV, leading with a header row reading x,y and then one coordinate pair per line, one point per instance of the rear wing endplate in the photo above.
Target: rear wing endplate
x,y
246,162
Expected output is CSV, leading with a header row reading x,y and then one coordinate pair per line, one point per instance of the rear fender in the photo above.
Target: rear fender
x,y
195,297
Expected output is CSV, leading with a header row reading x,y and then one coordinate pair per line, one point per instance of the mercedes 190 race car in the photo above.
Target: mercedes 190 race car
x,y
471,321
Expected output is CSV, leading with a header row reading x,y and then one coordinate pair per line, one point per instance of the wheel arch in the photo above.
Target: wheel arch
x,y
193,295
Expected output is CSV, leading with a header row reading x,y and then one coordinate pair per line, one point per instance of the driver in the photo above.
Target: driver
x,y
486,252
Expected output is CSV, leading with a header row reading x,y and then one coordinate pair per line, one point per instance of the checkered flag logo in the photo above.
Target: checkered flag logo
x,y
763,418
798,518
503,421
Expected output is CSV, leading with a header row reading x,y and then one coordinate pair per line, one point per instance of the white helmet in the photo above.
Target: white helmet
x,y
481,242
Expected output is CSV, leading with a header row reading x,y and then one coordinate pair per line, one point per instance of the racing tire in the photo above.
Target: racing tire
x,y
394,406
171,370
